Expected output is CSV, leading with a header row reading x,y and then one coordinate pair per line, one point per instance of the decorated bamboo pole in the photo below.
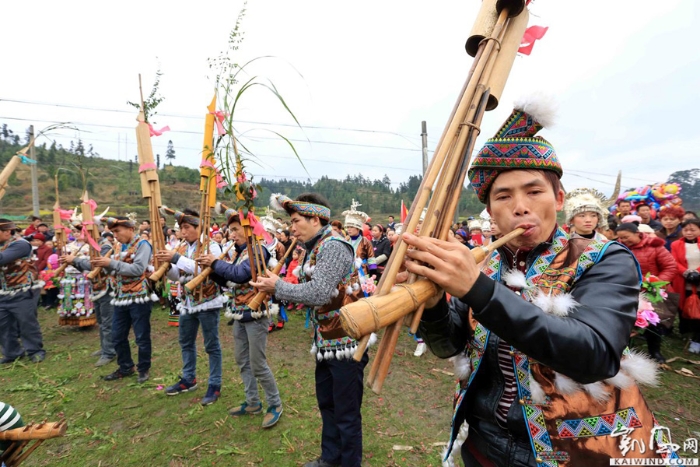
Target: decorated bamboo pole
x,y
150,183
60,238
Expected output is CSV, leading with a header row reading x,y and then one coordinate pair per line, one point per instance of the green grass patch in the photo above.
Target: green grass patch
x,y
126,424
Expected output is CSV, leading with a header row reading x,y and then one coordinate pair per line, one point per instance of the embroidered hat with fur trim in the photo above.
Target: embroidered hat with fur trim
x,y
475,224
353,217
584,200
515,146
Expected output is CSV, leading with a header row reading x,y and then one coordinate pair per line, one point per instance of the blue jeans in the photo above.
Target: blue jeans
x,y
188,326
339,387
138,316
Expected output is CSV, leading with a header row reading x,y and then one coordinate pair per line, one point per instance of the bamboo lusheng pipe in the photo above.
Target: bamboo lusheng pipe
x,y
368,315
160,272
446,155
34,431
92,275
261,297
199,278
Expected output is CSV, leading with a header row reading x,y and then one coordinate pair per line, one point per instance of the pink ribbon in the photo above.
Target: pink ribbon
x,y
155,132
258,228
219,117
65,214
220,182
147,166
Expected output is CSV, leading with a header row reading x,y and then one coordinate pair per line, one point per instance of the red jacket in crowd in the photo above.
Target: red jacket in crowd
x,y
653,257
678,252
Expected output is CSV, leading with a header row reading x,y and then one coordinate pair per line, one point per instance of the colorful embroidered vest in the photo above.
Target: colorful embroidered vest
x,y
330,340
242,294
132,289
19,275
205,297
571,427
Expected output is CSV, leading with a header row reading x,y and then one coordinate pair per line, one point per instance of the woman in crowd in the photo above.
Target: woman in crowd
x,y
687,255
671,220
382,248
655,259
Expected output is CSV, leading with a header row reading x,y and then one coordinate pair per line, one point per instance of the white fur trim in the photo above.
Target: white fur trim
x,y
565,385
536,391
335,293
372,340
274,203
314,349
456,448
620,380
462,366
515,279
541,106
558,305
563,304
98,295
356,286
272,263
597,391
218,302
358,263
640,368
348,290
296,271
218,209
162,211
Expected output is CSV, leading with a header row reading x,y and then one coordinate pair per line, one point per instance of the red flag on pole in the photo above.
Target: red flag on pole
x,y
532,34
404,212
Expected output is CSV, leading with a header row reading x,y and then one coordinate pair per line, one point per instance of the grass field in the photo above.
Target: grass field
x,y
127,424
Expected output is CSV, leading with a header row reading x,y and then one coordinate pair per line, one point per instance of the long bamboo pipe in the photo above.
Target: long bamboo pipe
x,y
92,275
261,297
199,278
38,431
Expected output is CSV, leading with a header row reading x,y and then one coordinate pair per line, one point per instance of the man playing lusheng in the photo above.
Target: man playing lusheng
x,y
544,326
328,280
200,307
249,328
132,298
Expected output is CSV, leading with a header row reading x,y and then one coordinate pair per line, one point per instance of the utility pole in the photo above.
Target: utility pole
x,y
35,181
424,138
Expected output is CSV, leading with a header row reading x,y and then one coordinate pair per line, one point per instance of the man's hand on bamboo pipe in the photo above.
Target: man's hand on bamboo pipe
x,y
67,259
266,283
165,256
449,264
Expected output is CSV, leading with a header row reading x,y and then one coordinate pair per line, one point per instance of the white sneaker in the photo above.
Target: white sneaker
x,y
694,347
420,349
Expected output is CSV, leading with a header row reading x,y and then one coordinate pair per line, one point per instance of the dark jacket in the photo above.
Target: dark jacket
x,y
382,247
586,346
238,273
669,238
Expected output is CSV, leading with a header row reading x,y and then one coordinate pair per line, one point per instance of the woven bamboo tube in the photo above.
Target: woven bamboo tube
x,y
506,57
483,26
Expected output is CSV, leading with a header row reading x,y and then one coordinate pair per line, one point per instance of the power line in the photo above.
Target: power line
x,y
198,117
338,143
